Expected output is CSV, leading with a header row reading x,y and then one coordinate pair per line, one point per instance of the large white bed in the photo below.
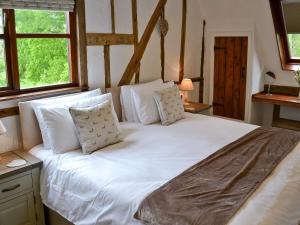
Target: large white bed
x,y
106,187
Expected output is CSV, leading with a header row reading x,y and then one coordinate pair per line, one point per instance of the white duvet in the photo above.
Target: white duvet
x,y
106,188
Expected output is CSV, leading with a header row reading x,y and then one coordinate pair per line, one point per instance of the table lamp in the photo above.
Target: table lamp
x,y
270,78
186,86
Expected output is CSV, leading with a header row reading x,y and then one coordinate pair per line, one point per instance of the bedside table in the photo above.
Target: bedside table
x,y
20,201
195,107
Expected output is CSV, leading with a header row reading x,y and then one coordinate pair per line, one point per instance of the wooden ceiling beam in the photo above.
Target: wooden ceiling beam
x,y
141,47
98,39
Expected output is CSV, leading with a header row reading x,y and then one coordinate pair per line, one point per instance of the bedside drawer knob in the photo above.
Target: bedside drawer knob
x,y
11,188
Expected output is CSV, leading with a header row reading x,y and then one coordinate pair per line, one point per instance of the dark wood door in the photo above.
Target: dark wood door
x,y
230,71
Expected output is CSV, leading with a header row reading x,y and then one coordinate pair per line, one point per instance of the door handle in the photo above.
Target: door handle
x,y
217,104
243,73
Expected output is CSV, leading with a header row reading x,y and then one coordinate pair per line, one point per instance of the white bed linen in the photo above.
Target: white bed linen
x,y
106,188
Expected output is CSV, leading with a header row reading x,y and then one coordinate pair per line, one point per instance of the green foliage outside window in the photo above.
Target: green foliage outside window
x,y
294,44
42,61
3,81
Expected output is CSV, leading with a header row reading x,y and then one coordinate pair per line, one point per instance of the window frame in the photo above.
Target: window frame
x,y
287,62
12,70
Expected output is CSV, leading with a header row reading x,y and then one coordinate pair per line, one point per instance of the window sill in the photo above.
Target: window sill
x,y
291,67
43,94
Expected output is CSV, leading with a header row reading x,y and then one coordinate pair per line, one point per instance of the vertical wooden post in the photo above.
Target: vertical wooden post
x,y
113,20
135,34
107,66
162,47
201,84
81,43
183,36
106,48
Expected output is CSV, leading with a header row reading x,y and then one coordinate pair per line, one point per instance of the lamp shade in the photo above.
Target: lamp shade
x,y
2,128
186,85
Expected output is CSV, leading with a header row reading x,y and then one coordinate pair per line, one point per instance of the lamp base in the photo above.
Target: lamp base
x,y
184,97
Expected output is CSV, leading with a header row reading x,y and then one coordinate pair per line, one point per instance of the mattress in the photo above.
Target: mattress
x,y
106,187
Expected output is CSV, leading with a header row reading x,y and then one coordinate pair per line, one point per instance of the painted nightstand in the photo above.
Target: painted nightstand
x,y
195,107
20,202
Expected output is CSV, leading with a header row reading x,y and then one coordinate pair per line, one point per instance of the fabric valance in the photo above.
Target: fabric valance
x,y
60,5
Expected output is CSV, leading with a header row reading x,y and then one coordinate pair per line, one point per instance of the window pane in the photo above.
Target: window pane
x,y
43,62
294,45
40,22
3,77
1,22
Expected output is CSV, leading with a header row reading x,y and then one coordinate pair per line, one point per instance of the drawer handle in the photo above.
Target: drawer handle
x,y
11,188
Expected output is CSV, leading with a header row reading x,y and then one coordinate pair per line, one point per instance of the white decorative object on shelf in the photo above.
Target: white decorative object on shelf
x,y
16,163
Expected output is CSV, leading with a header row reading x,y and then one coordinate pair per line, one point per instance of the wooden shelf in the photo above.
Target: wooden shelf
x,y
286,124
277,99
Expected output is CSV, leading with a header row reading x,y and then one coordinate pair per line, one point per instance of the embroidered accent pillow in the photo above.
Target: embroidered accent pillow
x,y
169,105
96,126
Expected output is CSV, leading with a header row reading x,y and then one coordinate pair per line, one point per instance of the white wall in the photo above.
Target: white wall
x,y
255,17
98,20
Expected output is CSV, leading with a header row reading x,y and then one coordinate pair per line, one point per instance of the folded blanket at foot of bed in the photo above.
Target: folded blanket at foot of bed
x,y
212,191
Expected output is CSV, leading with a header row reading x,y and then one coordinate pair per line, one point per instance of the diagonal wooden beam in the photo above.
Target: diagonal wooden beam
x,y
140,49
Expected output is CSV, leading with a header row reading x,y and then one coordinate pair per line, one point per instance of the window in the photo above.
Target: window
x,y
37,50
286,19
3,70
294,45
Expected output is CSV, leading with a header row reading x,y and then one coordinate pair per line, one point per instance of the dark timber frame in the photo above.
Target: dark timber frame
x,y
287,62
10,38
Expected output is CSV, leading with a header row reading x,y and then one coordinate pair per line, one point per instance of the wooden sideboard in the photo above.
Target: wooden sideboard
x,y
281,98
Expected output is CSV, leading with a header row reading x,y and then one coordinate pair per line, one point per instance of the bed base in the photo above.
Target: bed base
x,y
53,218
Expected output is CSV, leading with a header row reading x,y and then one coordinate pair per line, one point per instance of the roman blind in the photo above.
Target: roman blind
x,y
61,5
291,12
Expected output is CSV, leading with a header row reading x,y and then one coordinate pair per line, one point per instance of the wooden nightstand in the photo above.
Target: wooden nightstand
x,y
195,107
20,202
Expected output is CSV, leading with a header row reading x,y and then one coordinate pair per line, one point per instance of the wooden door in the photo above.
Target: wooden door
x,y
230,75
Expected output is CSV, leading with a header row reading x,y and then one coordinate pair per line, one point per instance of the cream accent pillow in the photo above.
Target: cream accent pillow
x,y
96,126
169,105
59,124
145,103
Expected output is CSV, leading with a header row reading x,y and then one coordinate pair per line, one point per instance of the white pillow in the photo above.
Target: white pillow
x,y
129,112
96,126
58,101
59,124
145,104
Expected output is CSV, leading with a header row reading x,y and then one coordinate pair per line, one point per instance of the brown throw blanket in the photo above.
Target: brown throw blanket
x,y
212,191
